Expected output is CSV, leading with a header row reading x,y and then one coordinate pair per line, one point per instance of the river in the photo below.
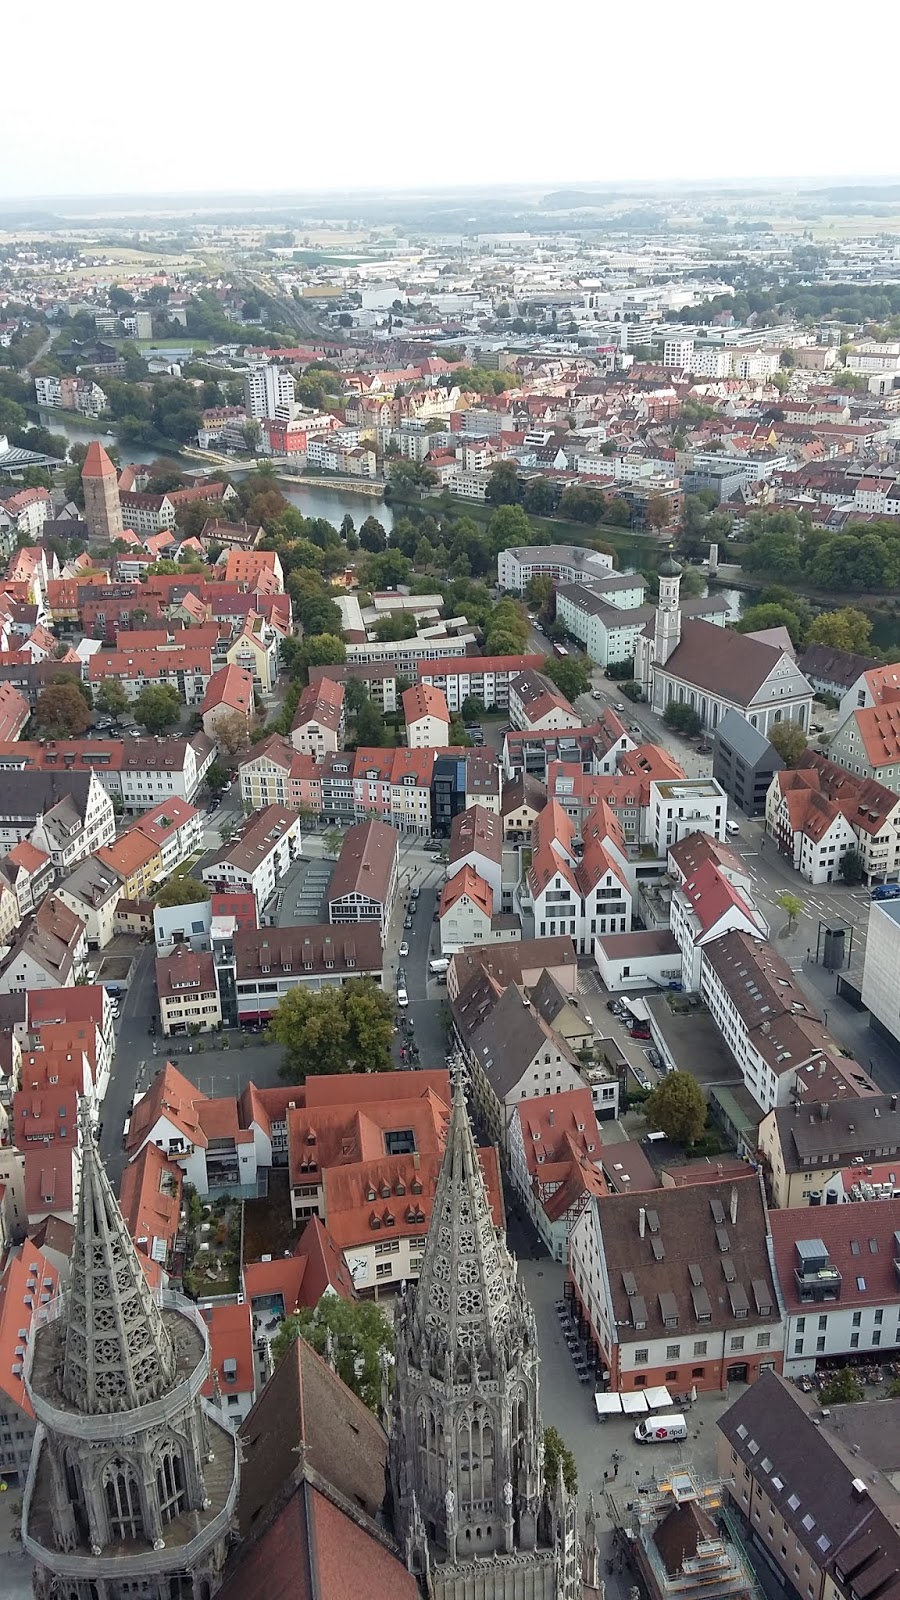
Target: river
x,y
317,500
311,500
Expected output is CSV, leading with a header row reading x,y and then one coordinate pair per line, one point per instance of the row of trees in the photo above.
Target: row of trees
x,y
863,558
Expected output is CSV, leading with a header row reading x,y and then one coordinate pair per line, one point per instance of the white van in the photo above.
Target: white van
x,y
660,1430
440,965
732,829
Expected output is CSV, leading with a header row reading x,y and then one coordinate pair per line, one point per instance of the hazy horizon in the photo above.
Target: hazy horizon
x,y
122,103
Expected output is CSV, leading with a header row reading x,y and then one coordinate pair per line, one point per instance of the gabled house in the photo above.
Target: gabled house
x,y
554,1149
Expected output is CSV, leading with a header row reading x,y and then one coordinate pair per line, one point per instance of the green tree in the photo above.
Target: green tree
x,y
357,1331
504,488
789,740
843,1389
756,618
678,1107
396,625
852,868
682,718
182,892
370,725
62,711
846,629
216,777
472,708
349,1029
372,536
111,698
555,1451
458,735
332,839
793,905
158,707
321,650
571,673
539,592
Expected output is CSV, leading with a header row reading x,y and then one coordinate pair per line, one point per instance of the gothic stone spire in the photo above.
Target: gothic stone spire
x,y
467,1285
117,1353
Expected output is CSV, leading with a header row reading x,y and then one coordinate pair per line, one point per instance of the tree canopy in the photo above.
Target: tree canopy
x,y
789,740
182,892
334,1030
62,710
357,1331
678,1107
571,673
158,707
555,1451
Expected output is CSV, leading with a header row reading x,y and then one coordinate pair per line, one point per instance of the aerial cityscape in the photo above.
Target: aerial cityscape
x,y
449,879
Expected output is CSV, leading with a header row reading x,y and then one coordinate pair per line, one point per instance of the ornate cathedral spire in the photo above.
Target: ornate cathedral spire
x,y
467,1287
117,1354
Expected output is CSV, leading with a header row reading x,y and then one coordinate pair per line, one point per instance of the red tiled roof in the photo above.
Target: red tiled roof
x,y
868,1274
467,882
97,463
150,1197
230,686
27,1280
230,1339
173,1096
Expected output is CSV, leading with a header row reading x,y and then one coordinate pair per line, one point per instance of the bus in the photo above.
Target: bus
x,y
560,650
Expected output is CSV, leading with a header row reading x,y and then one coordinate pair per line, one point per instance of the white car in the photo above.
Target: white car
x,y
404,948
402,998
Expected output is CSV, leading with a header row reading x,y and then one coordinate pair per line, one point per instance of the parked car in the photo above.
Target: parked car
x,y
404,947
407,923
654,1058
402,998
433,844
414,893
639,1029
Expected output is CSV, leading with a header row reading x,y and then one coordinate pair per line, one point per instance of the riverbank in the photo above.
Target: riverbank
x,y
47,415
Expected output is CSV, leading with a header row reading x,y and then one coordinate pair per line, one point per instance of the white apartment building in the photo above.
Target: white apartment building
x,y
763,1017
840,1296
679,806
259,856
564,563
678,353
265,389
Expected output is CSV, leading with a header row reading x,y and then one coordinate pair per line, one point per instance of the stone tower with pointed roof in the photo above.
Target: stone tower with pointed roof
x,y
471,1507
102,506
133,1482
655,645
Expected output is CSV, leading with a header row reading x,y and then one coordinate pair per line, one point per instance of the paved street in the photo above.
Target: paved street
x,y
568,1405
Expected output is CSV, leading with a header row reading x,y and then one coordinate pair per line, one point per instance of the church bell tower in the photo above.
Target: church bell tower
x,y
470,1503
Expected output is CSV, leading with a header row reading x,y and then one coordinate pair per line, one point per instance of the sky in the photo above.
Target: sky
x,y
106,98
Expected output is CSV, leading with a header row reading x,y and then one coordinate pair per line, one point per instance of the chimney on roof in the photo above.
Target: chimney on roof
x,y
893,1102
824,1111
642,1221
551,1116
734,1205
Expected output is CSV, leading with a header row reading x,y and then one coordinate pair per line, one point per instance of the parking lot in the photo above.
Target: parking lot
x,y
643,1069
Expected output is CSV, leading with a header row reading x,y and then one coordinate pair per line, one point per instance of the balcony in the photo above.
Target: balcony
x,y
186,1538
44,1354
